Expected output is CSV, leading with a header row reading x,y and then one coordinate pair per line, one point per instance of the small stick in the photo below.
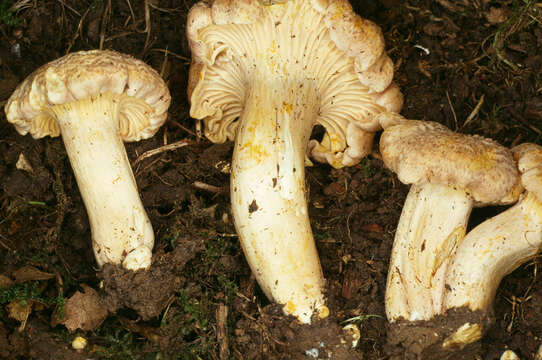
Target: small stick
x,y
169,147
452,108
207,187
516,140
166,51
475,111
222,332
147,26
176,123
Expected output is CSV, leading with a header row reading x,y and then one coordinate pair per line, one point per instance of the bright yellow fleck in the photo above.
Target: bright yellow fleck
x,y
323,312
287,107
79,343
290,307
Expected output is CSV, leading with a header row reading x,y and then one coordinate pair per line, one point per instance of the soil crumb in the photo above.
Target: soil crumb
x,y
323,339
35,342
417,340
148,292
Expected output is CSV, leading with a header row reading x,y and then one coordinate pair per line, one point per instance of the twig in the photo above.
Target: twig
x,y
452,108
147,26
153,152
118,35
176,123
78,31
4,244
516,141
163,9
105,21
69,7
131,12
180,57
210,188
474,112
164,64
222,332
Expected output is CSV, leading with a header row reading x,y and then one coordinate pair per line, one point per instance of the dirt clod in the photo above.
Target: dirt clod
x,y
148,292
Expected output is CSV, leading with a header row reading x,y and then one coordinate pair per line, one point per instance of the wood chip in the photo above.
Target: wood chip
x,y
222,331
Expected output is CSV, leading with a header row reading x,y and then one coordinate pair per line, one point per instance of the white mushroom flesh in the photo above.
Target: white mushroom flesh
x,y
121,230
98,99
433,222
492,250
279,72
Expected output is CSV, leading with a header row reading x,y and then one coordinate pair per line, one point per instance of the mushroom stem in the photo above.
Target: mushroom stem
x,y
432,224
121,230
268,193
492,250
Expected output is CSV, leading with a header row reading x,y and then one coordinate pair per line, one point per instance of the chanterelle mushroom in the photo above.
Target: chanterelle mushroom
x,y
449,173
97,99
497,246
263,74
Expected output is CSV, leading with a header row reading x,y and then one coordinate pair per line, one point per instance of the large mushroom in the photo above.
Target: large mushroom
x,y
96,99
450,173
264,73
495,248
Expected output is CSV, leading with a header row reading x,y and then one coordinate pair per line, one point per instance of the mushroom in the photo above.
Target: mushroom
x,y
450,173
264,73
97,99
497,246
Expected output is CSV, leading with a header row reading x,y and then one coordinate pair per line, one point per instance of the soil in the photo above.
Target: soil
x,y
474,66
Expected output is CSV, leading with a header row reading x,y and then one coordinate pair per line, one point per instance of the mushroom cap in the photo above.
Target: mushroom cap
x,y
529,159
86,74
421,152
324,42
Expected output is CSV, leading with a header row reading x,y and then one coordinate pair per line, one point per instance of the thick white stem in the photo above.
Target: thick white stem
x,y
268,194
492,250
121,230
432,224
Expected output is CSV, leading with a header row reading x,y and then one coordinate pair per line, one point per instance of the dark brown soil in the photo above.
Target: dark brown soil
x,y
450,57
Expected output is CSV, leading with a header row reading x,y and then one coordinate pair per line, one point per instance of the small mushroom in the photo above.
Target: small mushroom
x,y
450,173
96,99
264,74
499,245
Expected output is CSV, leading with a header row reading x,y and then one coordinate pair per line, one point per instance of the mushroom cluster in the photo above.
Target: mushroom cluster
x,y
264,74
450,173
95,100
437,269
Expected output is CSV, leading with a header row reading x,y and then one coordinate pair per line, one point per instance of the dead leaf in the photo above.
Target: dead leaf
x,y
84,310
496,15
20,310
5,282
30,273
